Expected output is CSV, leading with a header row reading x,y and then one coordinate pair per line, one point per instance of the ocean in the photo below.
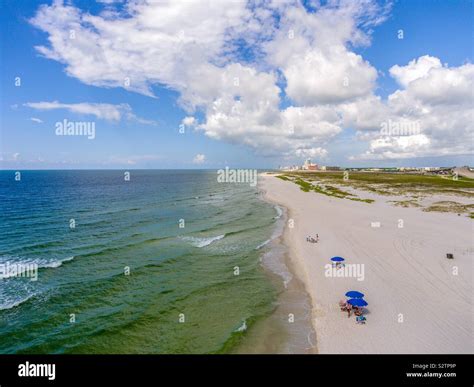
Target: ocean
x,y
169,261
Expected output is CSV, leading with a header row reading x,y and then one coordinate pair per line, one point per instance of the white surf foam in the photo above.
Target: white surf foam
x,y
263,244
243,327
9,303
202,242
279,212
18,266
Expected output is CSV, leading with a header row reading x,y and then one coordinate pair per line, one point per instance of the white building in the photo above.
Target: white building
x,y
309,166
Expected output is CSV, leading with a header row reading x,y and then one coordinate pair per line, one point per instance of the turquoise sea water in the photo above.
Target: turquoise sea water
x,y
175,273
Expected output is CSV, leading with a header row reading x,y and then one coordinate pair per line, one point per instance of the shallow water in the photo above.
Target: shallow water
x,y
174,272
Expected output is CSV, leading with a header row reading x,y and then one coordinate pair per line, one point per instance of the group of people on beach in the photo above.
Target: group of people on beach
x,y
346,307
312,240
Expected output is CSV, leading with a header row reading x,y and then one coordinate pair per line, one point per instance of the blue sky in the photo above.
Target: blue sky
x,y
150,138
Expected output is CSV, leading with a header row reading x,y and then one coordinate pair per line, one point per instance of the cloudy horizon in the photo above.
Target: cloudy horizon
x,y
200,84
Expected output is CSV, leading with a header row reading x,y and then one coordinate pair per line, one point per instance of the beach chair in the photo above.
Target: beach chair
x,y
360,320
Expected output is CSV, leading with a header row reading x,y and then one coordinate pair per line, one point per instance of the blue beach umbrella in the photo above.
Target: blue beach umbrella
x,y
357,302
337,259
354,294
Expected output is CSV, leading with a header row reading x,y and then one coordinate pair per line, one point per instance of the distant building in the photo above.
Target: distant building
x,y
291,168
309,166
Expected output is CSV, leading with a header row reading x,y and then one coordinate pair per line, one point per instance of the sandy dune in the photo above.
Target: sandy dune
x,y
407,274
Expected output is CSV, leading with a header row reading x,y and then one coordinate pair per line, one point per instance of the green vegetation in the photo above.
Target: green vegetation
x,y
414,187
362,200
391,179
330,191
394,184
405,203
336,191
449,206
327,190
304,185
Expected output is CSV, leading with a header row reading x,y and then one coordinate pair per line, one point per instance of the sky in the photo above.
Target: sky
x,y
244,84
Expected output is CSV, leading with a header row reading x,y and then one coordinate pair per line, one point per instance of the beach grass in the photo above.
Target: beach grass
x,y
392,184
391,179
405,203
323,189
411,186
449,206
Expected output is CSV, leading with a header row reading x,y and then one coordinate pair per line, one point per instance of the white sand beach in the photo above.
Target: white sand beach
x,y
418,302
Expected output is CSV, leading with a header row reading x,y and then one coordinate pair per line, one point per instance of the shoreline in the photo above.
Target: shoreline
x,y
300,274
296,284
276,334
416,305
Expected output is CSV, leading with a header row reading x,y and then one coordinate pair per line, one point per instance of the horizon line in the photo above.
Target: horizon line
x,y
214,169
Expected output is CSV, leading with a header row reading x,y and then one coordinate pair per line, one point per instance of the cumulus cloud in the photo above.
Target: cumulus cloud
x,y
415,69
103,111
199,159
155,43
319,153
435,105
390,147
312,51
189,121
298,85
328,77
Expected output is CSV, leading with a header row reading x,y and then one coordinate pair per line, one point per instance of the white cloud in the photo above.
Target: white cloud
x,y
189,121
415,69
305,85
318,153
156,43
396,147
103,111
133,159
334,76
37,120
436,97
9,157
439,85
190,47
199,159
